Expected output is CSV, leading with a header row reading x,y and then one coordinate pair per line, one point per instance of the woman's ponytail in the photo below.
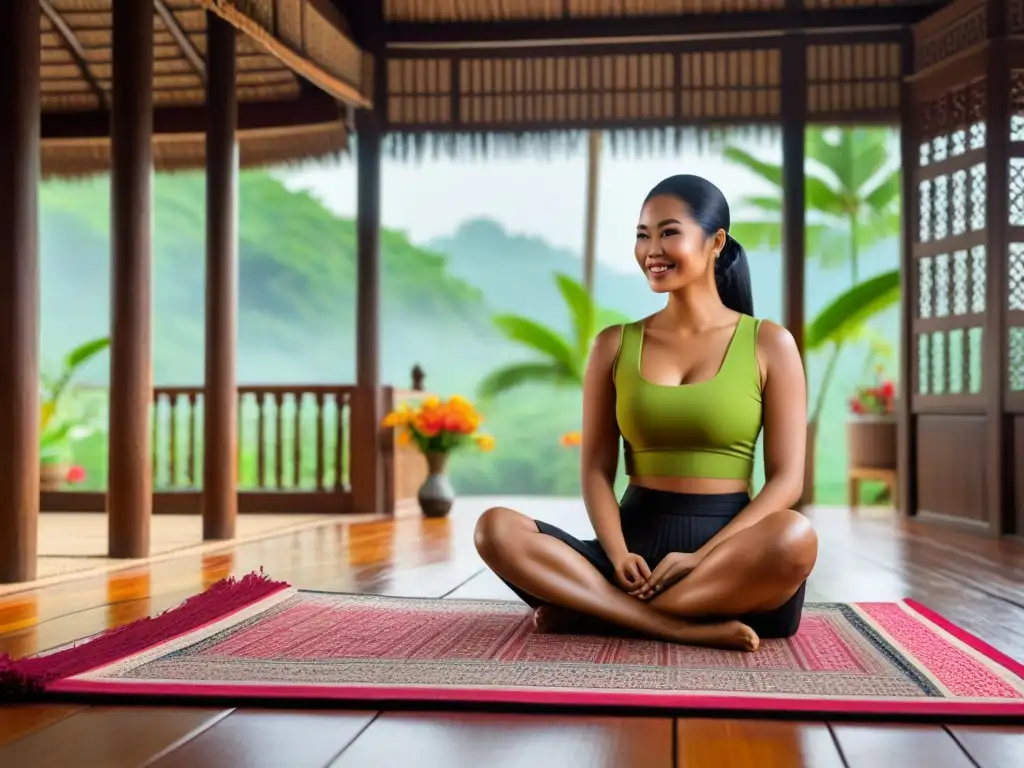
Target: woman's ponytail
x,y
732,276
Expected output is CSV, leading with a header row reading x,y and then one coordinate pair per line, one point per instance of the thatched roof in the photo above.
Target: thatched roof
x,y
282,117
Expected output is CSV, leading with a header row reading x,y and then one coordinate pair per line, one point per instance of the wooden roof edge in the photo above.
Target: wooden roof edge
x,y
300,62
575,30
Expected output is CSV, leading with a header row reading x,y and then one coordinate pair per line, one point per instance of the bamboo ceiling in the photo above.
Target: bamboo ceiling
x,y
278,38
662,81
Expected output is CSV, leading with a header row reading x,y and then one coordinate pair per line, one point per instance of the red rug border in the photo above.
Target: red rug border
x,y
990,652
572,698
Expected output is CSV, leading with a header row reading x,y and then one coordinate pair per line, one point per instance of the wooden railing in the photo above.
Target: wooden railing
x,y
294,447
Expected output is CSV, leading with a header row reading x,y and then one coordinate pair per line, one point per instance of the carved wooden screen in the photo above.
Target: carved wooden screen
x,y
1015,262
950,252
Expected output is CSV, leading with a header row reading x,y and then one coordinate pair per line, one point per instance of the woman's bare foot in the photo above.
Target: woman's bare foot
x,y
553,620
732,635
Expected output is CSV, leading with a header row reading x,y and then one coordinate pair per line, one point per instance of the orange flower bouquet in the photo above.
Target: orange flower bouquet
x,y
437,428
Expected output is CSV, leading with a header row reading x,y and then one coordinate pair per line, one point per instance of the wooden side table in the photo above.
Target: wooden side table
x,y
857,474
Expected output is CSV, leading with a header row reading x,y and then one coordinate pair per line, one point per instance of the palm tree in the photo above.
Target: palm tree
x,y
557,359
852,198
852,194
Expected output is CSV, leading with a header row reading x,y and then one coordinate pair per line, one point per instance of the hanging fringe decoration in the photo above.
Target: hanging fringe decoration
x,y
547,145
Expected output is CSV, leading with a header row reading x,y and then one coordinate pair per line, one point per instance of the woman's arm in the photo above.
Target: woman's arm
x,y
599,454
784,393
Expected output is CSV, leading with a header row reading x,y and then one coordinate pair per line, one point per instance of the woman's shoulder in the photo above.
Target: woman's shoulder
x,y
774,341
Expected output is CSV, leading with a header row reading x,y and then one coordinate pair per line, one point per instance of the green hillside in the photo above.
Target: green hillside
x,y
296,284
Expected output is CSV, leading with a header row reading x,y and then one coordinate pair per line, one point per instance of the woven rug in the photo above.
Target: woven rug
x,y
262,640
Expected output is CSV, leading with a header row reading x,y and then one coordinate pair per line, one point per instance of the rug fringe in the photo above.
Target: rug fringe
x,y
29,676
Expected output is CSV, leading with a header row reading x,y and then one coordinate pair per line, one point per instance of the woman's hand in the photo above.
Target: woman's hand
x,y
673,567
632,572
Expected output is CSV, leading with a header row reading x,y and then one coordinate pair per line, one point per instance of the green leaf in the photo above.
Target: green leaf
x,y
84,352
845,314
581,309
539,338
515,375
768,171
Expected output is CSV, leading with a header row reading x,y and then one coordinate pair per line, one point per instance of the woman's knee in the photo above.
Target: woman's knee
x,y
497,530
794,544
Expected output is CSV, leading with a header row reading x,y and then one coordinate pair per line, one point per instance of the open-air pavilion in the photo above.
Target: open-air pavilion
x,y
129,86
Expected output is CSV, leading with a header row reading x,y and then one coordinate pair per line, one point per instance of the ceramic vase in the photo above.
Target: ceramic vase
x,y
436,495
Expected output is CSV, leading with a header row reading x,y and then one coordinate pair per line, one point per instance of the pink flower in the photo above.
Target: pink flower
x,y
75,475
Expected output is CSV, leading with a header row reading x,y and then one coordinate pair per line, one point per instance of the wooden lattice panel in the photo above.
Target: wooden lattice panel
x,y
955,28
1015,260
502,10
951,248
853,80
574,91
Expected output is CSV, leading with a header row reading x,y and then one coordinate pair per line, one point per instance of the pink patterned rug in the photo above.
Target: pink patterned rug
x,y
260,639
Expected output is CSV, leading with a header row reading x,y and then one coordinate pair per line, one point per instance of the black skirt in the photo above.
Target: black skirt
x,y
656,523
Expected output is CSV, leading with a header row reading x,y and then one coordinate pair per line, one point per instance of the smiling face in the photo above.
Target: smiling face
x,y
671,248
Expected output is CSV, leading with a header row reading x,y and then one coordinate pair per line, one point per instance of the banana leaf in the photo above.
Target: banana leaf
x,y
847,313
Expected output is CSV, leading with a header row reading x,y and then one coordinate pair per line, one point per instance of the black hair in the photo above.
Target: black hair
x,y
709,208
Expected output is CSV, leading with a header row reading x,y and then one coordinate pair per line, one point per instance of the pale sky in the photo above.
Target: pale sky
x,y
545,198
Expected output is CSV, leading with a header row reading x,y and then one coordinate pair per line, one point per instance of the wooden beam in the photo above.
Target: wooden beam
x,y
311,108
591,215
998,491
19,289
906,421
129,480
75,49
220,395
794,213
728,23
366,466
181,38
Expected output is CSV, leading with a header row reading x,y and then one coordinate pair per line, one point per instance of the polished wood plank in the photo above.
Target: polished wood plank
x,y
19,721
706,743
990,746
269,739
510,741
115,737
871,746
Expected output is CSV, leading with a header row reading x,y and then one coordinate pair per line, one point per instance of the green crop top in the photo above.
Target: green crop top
x,y
705,429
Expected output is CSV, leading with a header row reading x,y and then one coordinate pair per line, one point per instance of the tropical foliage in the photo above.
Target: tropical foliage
x,y
558,359
852,199
61,421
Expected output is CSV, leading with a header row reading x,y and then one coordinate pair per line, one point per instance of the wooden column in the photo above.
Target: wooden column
x,y
794,258
590,233
998,496
19,289
129,485
906,438
794,125
366,465
220,396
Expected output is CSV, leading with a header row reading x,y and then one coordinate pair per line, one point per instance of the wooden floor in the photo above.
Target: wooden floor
x,y
864,556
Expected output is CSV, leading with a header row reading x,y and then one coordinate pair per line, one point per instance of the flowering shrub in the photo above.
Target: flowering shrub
x,y
877,400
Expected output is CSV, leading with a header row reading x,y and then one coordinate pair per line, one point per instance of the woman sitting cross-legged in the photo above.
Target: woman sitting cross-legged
x,y
686,555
